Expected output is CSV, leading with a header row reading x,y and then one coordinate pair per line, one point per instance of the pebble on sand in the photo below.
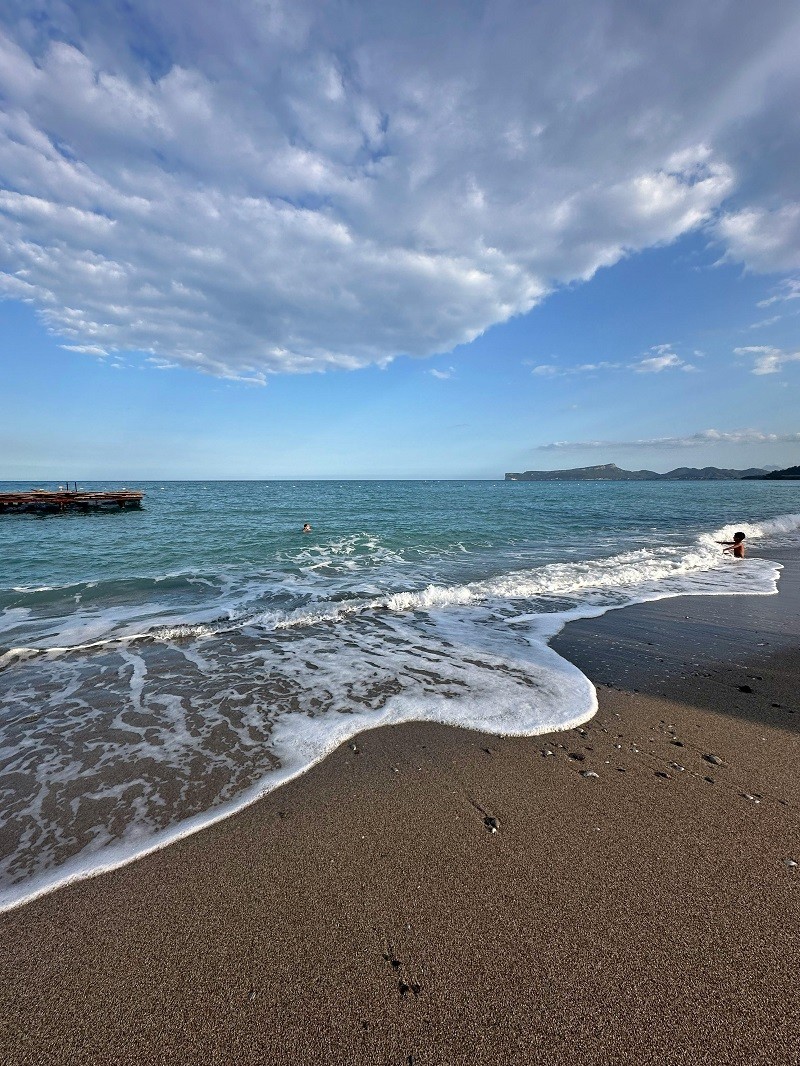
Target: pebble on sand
x,y
589,773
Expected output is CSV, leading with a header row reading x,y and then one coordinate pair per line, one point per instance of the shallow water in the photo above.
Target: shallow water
x,y
160,668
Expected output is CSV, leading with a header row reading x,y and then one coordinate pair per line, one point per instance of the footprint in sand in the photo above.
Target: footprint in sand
x,y
404,987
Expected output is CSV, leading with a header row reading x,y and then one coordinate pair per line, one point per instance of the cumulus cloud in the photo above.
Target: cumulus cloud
x,y
271,186
767,360
703,438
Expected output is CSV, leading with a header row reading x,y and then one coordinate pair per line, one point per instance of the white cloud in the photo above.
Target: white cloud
x,y
703,438
654,364
764,322
766,240
443,375
789,289
767,360
281,186
590,368
665,359
87,349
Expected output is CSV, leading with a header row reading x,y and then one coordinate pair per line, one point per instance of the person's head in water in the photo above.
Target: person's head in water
x,y
738,538
307,527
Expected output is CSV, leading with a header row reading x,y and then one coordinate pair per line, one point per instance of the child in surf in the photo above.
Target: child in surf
x,y
734,547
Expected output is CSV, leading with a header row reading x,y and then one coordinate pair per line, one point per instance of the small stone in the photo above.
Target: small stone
x,y
677,743
714,759
492,823
789,862
355,748
661,773
589,773
745,688
677,766
546,752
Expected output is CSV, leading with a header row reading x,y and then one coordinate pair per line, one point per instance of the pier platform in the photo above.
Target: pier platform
x,y
40,501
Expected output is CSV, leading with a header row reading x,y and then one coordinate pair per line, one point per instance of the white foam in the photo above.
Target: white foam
x,y
520,696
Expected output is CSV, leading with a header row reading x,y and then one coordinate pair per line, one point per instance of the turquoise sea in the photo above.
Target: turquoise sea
x,y
161,668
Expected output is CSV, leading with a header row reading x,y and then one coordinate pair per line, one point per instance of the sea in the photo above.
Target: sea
x,y
162,668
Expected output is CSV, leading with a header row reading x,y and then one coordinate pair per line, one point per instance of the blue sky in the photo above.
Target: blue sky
x,y
447,241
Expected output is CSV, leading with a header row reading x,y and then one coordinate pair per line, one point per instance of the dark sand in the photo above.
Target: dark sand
x,y
365,913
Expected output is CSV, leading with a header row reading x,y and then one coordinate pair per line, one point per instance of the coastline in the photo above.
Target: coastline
x,y
364,912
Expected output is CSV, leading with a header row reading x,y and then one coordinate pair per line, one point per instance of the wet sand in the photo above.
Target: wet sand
x,y
429,895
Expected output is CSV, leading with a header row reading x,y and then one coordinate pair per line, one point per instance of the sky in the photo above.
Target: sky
x,y
442,239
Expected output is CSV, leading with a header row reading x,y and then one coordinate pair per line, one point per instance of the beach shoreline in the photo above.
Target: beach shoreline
x,y
433,895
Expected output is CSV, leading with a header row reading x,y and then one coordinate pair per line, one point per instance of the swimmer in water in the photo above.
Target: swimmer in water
x,y
734,547
307,527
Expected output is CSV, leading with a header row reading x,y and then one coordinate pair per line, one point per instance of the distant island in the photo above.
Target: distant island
x,y
611,472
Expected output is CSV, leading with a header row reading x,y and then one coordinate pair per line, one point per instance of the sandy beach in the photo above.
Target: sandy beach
x,y
618,893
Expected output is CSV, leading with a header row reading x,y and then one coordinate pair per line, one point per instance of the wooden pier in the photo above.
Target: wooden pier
x,y
40,501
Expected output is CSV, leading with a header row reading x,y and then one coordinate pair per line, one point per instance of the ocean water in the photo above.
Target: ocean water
x,y
162,668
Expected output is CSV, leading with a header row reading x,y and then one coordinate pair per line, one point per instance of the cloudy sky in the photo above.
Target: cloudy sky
x,y
446,238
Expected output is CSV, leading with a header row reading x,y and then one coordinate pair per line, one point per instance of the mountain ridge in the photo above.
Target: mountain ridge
x,y
612,472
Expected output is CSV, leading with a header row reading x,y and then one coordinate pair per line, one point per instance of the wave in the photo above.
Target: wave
x,y
638,573
627,576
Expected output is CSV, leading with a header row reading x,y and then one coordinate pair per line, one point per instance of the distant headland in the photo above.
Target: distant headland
x,y
612,472
791,473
